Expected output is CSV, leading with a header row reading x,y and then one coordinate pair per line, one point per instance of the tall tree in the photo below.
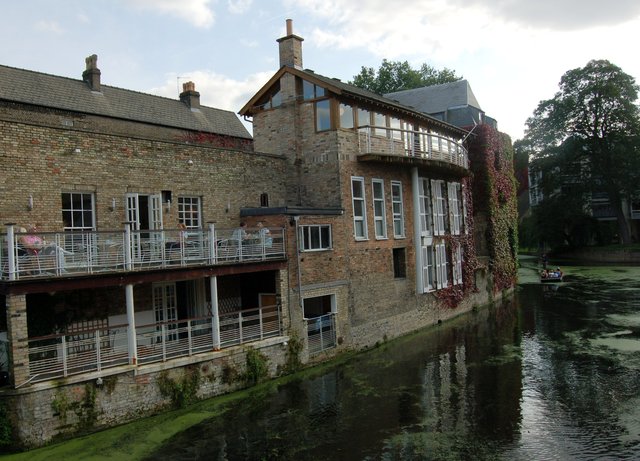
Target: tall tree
x,y
588,134
396,76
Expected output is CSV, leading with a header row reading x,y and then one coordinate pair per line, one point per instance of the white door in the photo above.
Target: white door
x,y
165,309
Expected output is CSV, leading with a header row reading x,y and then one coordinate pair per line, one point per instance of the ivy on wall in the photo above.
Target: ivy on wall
x,y
454,294
494,193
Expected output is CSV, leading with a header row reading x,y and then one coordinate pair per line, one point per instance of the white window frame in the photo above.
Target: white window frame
x,y
426,205
454,207
397,206
187,205
379,208
72,211
307,236
456,267
428,268
441,265
438,206
359,217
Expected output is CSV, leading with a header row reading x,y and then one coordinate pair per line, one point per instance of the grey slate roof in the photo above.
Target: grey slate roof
x,y
36,88
437,98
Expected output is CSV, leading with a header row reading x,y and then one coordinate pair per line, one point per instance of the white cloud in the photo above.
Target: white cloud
x,y
49,27
216,90
196,12
239,6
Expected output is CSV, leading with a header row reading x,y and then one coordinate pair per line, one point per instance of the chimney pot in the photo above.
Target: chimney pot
x,y
91,75
290,48
190,96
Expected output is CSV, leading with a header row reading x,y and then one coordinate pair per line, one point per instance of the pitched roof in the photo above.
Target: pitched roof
x,y
36,88
437,98
338,87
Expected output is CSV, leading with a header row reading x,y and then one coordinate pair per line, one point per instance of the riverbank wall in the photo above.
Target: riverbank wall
x,y
597,255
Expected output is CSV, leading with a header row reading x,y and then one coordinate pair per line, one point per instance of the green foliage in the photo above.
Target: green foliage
x,y
257,366
586,139
491,155
294,348
183,392
6,428
87,412
229,374
60,404
396,76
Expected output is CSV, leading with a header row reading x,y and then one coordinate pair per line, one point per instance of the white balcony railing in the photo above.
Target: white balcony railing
x,y
321,333
94,350
408,143
75,253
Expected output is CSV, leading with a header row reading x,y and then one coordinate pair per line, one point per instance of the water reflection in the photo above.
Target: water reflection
x,y
552,374
546,376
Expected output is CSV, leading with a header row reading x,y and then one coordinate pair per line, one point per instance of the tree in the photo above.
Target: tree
x,y
586,139
396,76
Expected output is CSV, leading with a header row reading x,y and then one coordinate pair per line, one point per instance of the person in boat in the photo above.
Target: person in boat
x,y
544,274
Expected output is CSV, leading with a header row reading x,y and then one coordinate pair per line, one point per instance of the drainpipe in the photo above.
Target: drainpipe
x,y
296,219
417,238
215,316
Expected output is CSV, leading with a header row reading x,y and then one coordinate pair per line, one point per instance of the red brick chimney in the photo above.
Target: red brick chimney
x,y
291,48
190,96
92,74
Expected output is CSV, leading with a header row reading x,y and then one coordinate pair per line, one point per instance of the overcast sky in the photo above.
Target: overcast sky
x,y
512,52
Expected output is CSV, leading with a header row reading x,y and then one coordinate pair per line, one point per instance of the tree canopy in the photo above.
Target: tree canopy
x,y
396,76
586,141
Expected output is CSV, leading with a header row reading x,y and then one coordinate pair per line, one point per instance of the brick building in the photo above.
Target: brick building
x,y
377,193
142,273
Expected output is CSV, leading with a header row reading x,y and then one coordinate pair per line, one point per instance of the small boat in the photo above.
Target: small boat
x,y
551,276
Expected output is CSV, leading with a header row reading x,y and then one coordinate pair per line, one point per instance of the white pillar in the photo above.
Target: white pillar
x,y
11,251
415,192
131,321
215,316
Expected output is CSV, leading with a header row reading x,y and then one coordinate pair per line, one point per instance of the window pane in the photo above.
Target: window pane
x,y
323,117
363,118
379,121
346,116
307,90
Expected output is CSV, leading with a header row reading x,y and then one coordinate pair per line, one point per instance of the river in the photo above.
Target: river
x,y
552,374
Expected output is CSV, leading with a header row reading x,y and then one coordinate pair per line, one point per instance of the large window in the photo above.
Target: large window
x,y
396,125
359,208
189,212
398,209
455,207
364,119
441,265
426,217
379,213
346,116
323,115
439,210
78,211
380,122
456,266
315,237
428,267
311,91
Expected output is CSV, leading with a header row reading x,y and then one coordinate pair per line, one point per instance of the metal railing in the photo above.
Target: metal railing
x,y
73,253
321,333
408,143
66,354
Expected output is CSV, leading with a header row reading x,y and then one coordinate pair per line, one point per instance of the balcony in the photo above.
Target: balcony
x,y
69,254
406,145
96,350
